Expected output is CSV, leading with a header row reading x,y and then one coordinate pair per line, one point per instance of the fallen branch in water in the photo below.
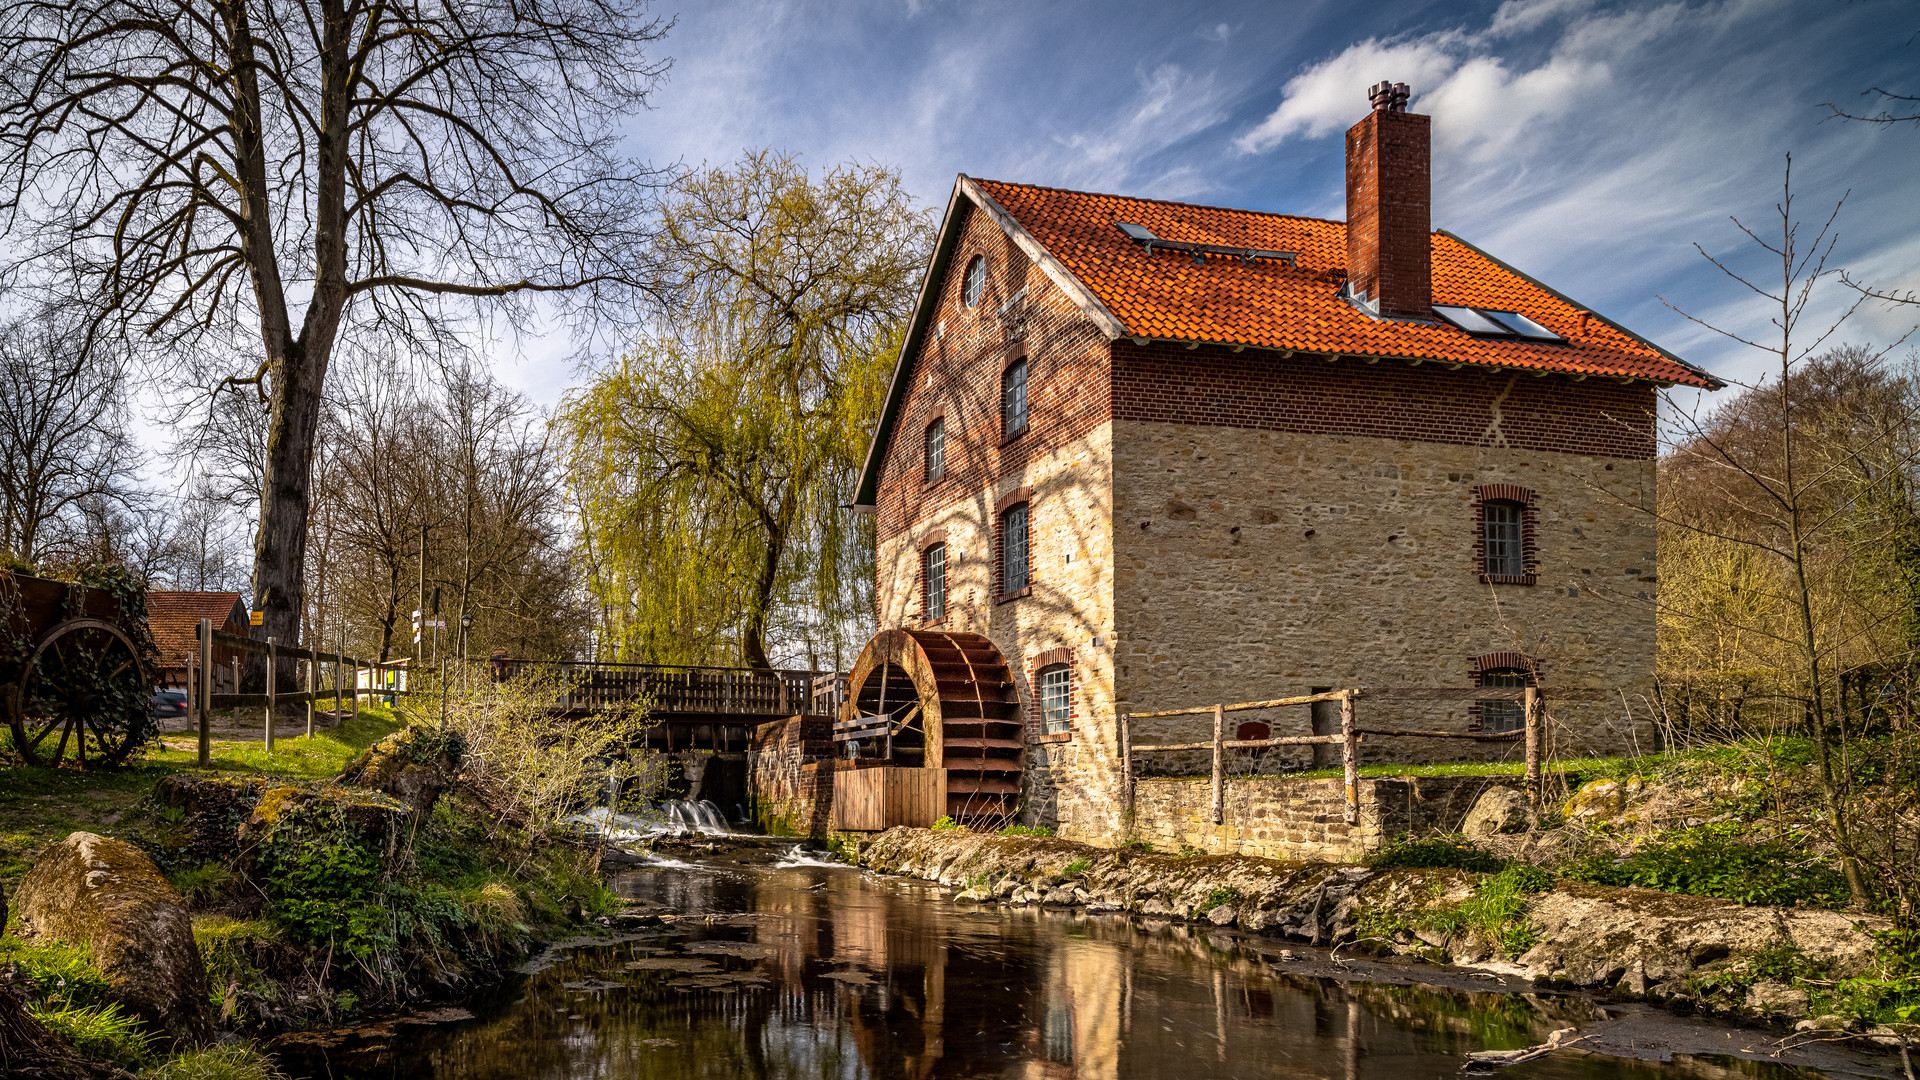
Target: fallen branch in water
x,y
1488,1060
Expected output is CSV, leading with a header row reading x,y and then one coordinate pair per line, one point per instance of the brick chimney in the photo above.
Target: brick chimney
x,y
1389,204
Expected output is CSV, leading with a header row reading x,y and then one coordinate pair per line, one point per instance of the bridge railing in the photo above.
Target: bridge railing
x,y
678,688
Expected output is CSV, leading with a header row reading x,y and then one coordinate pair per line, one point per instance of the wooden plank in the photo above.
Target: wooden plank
x,y
1350,757
1533,726
1219,764
1477,736
1202,710
862,733
1243,744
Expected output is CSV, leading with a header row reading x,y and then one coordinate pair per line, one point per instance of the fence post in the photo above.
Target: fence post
x,y
313,677
1350,757
273,684
1533,721
1126,767
1219,764
206,693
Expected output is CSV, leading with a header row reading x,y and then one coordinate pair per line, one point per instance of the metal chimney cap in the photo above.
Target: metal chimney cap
x,y
1389,96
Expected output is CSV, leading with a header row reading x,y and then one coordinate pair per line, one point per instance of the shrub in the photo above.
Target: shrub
x,y
231,951
1435,852
1717,860
1217,897
105,1034
237,1062
1497,910
1076,867
947,824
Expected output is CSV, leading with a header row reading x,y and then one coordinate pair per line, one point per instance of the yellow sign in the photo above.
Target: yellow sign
x,y
259,618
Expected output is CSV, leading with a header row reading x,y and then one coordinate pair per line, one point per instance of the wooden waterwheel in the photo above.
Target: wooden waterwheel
x,y
953,706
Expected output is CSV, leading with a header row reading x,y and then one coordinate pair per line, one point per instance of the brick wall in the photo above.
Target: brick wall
x,y
791,793
1282,818
1389,200
1387,400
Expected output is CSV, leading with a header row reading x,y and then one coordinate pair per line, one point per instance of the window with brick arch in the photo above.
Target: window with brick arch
x,y
1014,574
935,454
1056,698
933,582
1013,399
975,283
1497,716
1503,529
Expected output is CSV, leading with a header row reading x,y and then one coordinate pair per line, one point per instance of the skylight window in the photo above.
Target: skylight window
x,y
1486,323
1136,232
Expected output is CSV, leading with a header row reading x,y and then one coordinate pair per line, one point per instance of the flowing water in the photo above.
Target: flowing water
x,y
793,968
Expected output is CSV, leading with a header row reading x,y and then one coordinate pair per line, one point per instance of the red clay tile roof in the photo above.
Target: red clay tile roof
x,y
174,617
1269,304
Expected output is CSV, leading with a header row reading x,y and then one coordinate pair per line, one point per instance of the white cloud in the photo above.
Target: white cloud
x,y
1330,95
1218,33
1523,16
1171,105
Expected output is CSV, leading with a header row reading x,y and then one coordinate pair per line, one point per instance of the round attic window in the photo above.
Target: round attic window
x,y
975,282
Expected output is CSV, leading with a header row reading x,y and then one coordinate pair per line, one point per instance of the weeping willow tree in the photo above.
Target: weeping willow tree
x,y
709,465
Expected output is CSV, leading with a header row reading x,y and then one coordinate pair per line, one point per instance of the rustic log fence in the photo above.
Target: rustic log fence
x,y
201,700
1351,735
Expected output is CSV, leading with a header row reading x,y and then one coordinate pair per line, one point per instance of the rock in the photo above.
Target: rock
x,y
1589,932
212,809
414,765
1596,800
1770,997
1060,897
1829,1022
107,896
378,820
1497,810
1223,915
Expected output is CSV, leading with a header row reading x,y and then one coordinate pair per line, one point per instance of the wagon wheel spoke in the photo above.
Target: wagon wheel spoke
x,y
33,743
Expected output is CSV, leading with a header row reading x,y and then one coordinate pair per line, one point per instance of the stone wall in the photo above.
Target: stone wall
x,y
1300,819
790,793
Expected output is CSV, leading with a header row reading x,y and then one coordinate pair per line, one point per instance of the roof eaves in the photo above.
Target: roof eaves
x,y
866,494
1083,296
1707,377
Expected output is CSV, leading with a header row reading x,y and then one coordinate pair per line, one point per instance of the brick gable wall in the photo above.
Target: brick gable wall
x,y
1389,400
956,376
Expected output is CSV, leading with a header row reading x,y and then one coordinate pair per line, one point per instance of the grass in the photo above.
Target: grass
x,y
39,806
1605,766
236,1062
104,1034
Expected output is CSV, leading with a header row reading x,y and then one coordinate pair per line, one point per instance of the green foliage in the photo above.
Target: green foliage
x,y
1026,830
1432,852
240,1061
205,884
319,875
1718,860
231,951
709,466
1075,868
1726,987
105,1033
1140,846
1497,910
1217,897
55,975
947,824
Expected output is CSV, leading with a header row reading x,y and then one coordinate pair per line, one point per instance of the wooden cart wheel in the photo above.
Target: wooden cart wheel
x,y
83,692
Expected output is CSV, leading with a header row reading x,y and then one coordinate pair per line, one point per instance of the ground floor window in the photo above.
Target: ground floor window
x,y
1498,716
1056,701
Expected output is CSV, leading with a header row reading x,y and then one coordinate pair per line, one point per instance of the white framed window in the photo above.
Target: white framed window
x,y
1013,399
933,581
1056,699
1013,549
934,454
975,281
1503,532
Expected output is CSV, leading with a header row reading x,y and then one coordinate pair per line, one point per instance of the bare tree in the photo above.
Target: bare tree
x,y
63,437
298,173
1784,488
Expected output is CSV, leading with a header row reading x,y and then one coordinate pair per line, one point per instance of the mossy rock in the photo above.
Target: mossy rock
x,y
376,820
107,896
413,765
211,811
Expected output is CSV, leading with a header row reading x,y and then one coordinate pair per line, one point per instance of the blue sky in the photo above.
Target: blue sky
x,y
1591,144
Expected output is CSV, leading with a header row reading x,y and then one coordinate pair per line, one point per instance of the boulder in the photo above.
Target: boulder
x,y
377,820
1223,914
1596,800
1770,997
414,765
1497,810
1595,934
105,895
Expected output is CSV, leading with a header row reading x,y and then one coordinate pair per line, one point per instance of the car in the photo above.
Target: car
x,y
168,704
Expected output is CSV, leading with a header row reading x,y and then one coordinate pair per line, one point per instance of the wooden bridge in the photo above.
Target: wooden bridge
x,y
692,707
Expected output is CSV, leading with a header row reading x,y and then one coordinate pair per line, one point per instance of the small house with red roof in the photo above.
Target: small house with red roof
x,y
1164,455
174,619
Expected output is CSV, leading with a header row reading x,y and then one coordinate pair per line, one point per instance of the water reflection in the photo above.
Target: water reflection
x,y
819,973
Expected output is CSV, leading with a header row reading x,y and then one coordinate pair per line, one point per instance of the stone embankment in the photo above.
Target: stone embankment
x,y
1634,942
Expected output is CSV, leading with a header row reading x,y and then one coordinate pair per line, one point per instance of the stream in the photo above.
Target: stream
x,y
774,964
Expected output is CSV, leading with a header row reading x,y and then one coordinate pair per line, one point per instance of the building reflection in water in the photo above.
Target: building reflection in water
x,y
817,973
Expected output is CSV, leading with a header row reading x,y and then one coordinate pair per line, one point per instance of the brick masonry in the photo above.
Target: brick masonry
x,y
792,793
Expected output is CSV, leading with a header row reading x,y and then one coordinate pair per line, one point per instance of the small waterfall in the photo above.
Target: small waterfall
x,y
701,817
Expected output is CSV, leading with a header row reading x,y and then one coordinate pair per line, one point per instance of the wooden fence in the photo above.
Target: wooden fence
x,y
1351,734
678,689
201,700
872,800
